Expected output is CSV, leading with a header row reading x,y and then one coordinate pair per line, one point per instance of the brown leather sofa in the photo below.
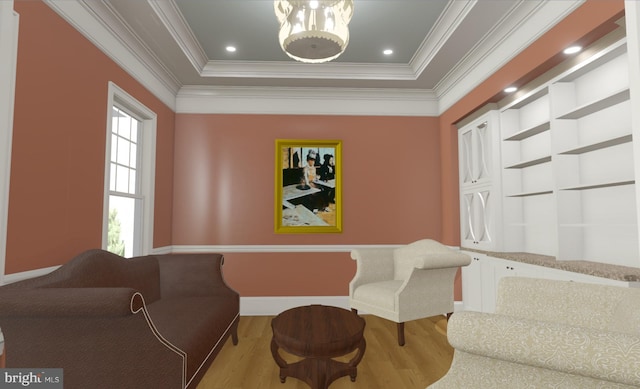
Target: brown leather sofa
x,y
148,322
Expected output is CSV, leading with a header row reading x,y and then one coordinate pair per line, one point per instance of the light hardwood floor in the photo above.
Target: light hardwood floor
x,y
425,358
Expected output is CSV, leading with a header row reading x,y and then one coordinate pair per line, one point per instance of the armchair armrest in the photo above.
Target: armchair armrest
x,y
593,353
442,260
67,302
373,265
192,275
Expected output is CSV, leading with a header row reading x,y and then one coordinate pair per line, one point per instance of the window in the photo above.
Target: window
x,y
129,176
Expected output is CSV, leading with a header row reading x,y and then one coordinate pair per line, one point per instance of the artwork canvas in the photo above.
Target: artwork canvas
x,y
308,186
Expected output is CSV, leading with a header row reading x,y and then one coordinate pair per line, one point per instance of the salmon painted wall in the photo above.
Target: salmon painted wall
x,y
224,193
58,152
400,174
587,18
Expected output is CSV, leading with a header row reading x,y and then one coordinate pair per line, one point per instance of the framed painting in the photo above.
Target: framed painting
x,y
308,186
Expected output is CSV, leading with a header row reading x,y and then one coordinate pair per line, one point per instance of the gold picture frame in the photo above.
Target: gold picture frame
x,y
308,186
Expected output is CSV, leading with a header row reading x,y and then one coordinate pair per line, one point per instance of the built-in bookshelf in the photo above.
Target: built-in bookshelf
x,y
568,165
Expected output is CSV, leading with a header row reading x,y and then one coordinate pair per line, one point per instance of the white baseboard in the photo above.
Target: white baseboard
x,y
271,306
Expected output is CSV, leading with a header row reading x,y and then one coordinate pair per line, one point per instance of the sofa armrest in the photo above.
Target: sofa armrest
x,y
67,302
373,265
610,356
184,275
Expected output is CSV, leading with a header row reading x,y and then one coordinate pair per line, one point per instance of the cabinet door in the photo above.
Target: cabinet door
x,y
472,282
475,153
505,268
476,218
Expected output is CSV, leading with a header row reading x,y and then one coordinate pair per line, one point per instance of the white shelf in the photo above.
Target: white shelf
x,y
527,194
597,60
527,99
529,132
598,105
600,185
529,163
599,145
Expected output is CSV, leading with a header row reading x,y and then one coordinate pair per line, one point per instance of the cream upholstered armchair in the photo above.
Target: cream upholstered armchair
x,y
406,283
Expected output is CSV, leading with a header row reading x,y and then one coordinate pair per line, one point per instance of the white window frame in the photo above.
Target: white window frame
x,y
147,171
8,57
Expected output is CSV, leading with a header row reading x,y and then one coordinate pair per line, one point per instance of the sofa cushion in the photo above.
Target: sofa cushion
x,y
195,325
602,355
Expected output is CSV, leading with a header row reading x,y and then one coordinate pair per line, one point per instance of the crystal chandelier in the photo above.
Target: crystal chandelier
x,y
313,31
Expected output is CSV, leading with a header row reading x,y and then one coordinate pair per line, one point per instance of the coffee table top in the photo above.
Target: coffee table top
x,y
318,331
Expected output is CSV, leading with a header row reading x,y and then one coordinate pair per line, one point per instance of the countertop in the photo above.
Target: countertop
x,y
597,269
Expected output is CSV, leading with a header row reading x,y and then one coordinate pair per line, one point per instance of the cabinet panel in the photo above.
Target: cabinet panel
x,y
476,155
477,218
472,282
480,182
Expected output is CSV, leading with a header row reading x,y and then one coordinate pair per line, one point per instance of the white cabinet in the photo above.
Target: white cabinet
x,y
481,278
472,282
475,213
480,182
475,151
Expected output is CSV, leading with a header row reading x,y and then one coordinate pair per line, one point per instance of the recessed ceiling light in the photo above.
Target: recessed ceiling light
x,y
510,89
230,49
572,49
387,52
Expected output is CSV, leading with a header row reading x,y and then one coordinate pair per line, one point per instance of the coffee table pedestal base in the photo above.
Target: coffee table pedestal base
x,y
318,373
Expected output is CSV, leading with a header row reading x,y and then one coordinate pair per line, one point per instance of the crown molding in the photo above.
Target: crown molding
x,y
103,27
306,101
508,39
445,26
173,20
331,70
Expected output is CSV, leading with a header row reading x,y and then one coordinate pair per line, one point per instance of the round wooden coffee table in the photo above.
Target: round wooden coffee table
x,y
318,333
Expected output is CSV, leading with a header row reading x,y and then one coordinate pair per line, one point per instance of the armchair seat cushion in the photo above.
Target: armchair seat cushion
x,y
381,294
